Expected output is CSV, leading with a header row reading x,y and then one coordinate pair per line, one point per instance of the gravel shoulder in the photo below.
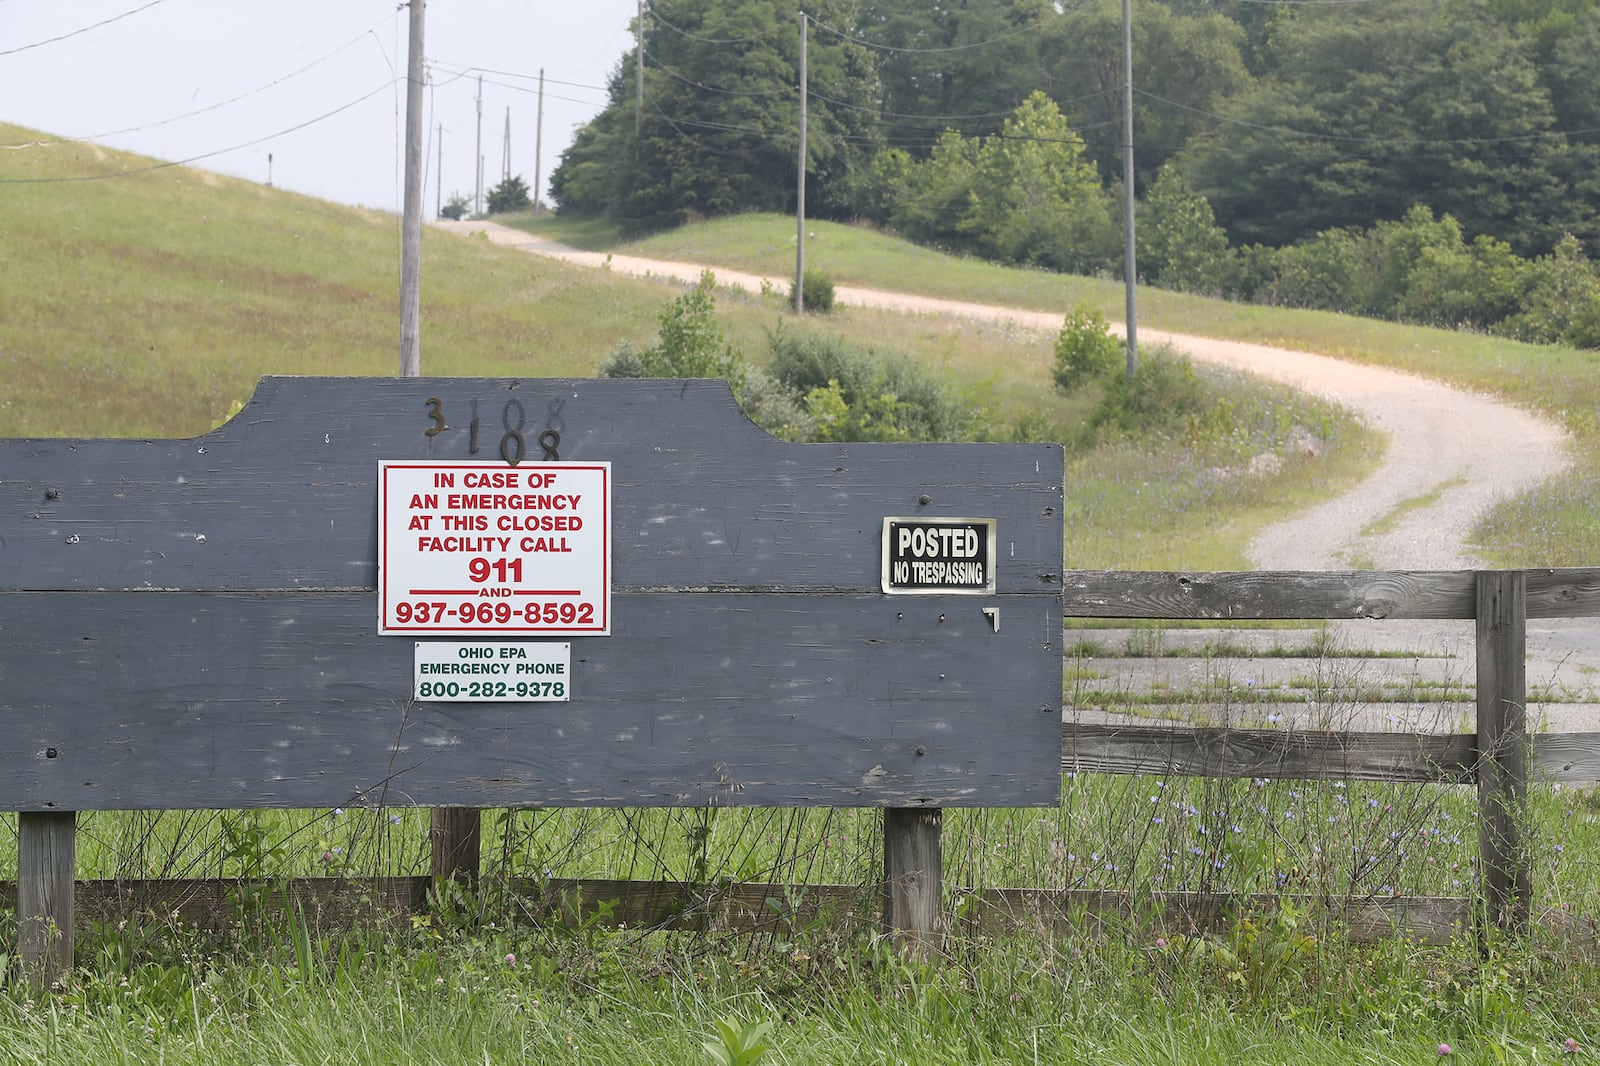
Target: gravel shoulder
x,y
1451,455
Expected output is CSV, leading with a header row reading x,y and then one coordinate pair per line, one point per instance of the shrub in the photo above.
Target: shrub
x,y
690,343
1164,395
1561,298
774,408
889,397
624,361
510,195
816,291
1085,350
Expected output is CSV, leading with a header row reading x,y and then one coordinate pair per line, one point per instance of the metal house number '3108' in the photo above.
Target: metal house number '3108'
x,y
513,446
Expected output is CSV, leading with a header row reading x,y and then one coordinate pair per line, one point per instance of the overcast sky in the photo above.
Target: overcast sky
x,y
231,81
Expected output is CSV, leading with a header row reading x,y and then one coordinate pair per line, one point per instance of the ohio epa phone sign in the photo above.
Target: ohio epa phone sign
x,y
488,548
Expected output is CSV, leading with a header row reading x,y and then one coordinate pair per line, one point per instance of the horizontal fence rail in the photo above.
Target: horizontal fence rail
x,y
328,903
1499,757
1339,595
1305,755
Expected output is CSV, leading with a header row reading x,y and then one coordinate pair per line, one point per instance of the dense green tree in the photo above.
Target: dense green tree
x,y
719,131
1180,244
1184,67
1421,101
510,195
958,64
927,201
1028,194
1036,197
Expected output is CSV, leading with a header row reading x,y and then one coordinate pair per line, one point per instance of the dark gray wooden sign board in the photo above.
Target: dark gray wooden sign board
x,y
193,623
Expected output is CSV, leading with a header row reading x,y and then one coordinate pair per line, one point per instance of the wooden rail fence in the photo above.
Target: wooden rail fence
x,y
1499,758
210,623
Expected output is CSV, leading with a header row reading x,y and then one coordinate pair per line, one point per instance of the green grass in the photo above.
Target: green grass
x,y
1386,523
457,999
1281,985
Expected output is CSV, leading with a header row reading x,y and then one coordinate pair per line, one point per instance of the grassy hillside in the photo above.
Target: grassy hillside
x,y
146,305
146,302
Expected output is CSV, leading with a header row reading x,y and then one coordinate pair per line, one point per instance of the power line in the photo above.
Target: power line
x,y
209,107
785,91
1023,32
704,40
946,118
529,91
1356,139
86,29
203,155
462,71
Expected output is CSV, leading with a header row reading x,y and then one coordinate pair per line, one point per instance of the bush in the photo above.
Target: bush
x,y
690,343
510,195
1561,298
1085,350
624,361
890,398
774,408
1164,395
816,292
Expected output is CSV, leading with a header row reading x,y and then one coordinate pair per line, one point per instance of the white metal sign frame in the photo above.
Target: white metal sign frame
x,y
482,548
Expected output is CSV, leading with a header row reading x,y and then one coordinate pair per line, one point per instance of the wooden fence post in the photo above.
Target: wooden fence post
x,y
1503,746
913,878
456,836
46,867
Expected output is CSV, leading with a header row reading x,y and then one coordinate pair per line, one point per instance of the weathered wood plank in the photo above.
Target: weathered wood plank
x,y
1266,595
1354,594
913,880
1503,747
1568,758
283,496
455,838
46,922
1447,758
331,903
1269,753
188,700
1563,593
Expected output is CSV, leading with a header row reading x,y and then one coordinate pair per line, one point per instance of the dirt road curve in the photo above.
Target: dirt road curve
x,y
1451,453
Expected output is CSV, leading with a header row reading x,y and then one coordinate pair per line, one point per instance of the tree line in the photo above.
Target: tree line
x,y
1382,158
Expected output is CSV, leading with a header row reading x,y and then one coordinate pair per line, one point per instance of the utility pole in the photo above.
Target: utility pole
x,y
1130,263
505,150
477,153
411,222
800,186
638,73
538,146
269,170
